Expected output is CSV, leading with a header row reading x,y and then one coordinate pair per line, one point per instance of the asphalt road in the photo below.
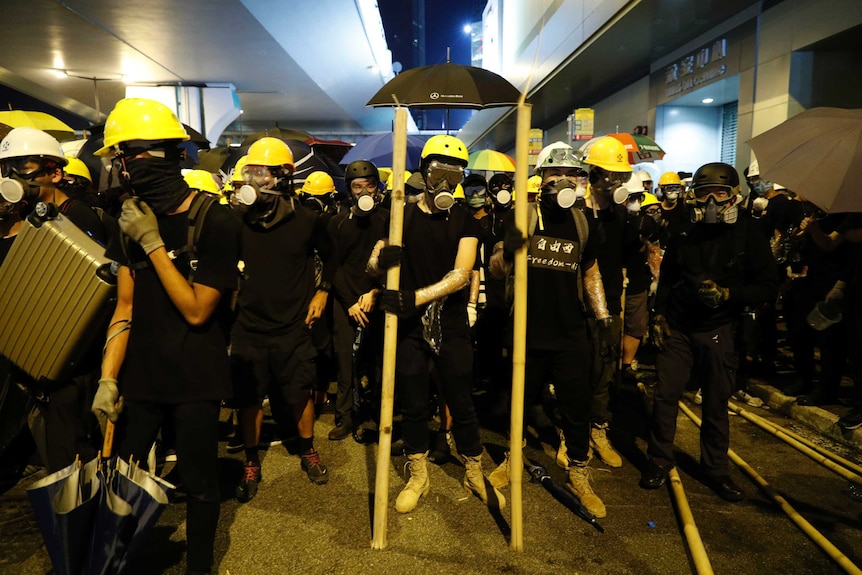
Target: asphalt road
x,y
293,526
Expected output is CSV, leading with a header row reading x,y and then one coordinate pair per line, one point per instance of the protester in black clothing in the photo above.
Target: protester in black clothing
x,y
168,331
674,212
617,241
562,275
272,352
707,275
438,253
357,321
32,164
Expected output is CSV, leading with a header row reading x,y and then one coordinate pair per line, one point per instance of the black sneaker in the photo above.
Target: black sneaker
x,y
653,476
247,488
851,420
342,430
235,444
314,468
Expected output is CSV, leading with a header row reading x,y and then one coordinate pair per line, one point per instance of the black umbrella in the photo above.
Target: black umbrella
x,y
447,86
539,474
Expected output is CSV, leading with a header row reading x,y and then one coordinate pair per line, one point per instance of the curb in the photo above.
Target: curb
x,y
820,420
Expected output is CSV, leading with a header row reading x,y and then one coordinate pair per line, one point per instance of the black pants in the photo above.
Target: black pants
x,y
710,355
412,376
196,427
569,371
70,427
602,373
355,363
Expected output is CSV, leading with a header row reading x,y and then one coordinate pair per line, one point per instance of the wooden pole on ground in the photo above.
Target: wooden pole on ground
x,y
519,343
393,278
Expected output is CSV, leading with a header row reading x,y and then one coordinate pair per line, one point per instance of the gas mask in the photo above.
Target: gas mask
x,y
365,202
321,204
633,203
758,207
708,210
440,181
16,185
503,198
562,193
610,183
670,193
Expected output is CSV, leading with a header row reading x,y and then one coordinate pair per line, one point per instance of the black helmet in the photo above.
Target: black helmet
x,y
360,169
715,174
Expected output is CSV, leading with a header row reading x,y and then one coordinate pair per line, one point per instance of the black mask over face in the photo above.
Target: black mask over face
x,y
75,189
157,181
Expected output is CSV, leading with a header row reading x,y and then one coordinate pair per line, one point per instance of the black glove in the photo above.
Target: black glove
x,y
712,294
389,256
660,331
609,340
513,240
400,302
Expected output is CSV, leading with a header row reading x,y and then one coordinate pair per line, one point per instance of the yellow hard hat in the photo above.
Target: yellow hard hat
x,y
447,148
140,119
609,154
76,167
669,178
270,152
201,180
318,184
236,175
649,200
534,183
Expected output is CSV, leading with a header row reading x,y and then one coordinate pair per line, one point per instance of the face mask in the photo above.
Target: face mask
x,y
713,212
671,197
633,207
268,210
562,193
443,199
365,203
503,198
12,190
157,181
73,188
762,187
476,201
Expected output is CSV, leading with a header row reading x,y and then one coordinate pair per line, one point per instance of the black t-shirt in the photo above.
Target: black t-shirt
x,y
353,239
85,218
781,213
430,246
555,317
278,278
168,360
677,220
735,256
492,232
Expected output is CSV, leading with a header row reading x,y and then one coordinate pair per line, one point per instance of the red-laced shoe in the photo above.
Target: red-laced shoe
x,y
314,468
247,488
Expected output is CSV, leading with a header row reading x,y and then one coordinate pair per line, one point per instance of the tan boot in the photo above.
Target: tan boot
x,y
417,486
579,484
499,478
474,480
602,447
562,457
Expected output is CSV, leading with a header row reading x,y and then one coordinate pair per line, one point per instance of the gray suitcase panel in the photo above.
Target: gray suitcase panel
x,y
56,293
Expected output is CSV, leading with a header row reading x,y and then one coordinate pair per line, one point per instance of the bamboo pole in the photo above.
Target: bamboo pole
x,y
519,343
832,461
689,527
827,546
393,278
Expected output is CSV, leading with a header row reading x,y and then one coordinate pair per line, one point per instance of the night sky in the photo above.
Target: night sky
x,y
444,22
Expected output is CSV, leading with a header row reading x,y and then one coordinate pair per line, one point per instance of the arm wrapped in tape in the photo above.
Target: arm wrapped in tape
x,y
453,281
373,267
594,291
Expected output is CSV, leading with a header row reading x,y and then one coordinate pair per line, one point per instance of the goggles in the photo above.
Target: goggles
x,y
671,188
263,175
437,172
562,156
18,167
613,178
475,191
720,194
652,210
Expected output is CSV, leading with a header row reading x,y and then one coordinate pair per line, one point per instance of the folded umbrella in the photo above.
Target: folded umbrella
x,y
539,474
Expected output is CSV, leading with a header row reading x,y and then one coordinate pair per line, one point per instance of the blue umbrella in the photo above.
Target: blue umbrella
x,y
378,150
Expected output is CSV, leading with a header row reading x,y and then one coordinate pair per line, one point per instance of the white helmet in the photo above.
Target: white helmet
x,y
753,169
645,176
558,155
634,185
30,142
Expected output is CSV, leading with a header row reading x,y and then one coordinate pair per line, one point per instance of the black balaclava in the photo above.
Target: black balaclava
x,y
157,181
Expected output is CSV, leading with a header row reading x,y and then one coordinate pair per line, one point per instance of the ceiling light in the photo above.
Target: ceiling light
x,y
467,28
707,101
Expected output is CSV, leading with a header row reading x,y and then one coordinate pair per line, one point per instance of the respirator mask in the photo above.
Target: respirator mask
x,y
562,193
671,192
17,184
713,205
440,181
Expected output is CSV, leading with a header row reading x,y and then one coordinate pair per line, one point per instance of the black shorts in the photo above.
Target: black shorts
x,y
637,315
283,364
